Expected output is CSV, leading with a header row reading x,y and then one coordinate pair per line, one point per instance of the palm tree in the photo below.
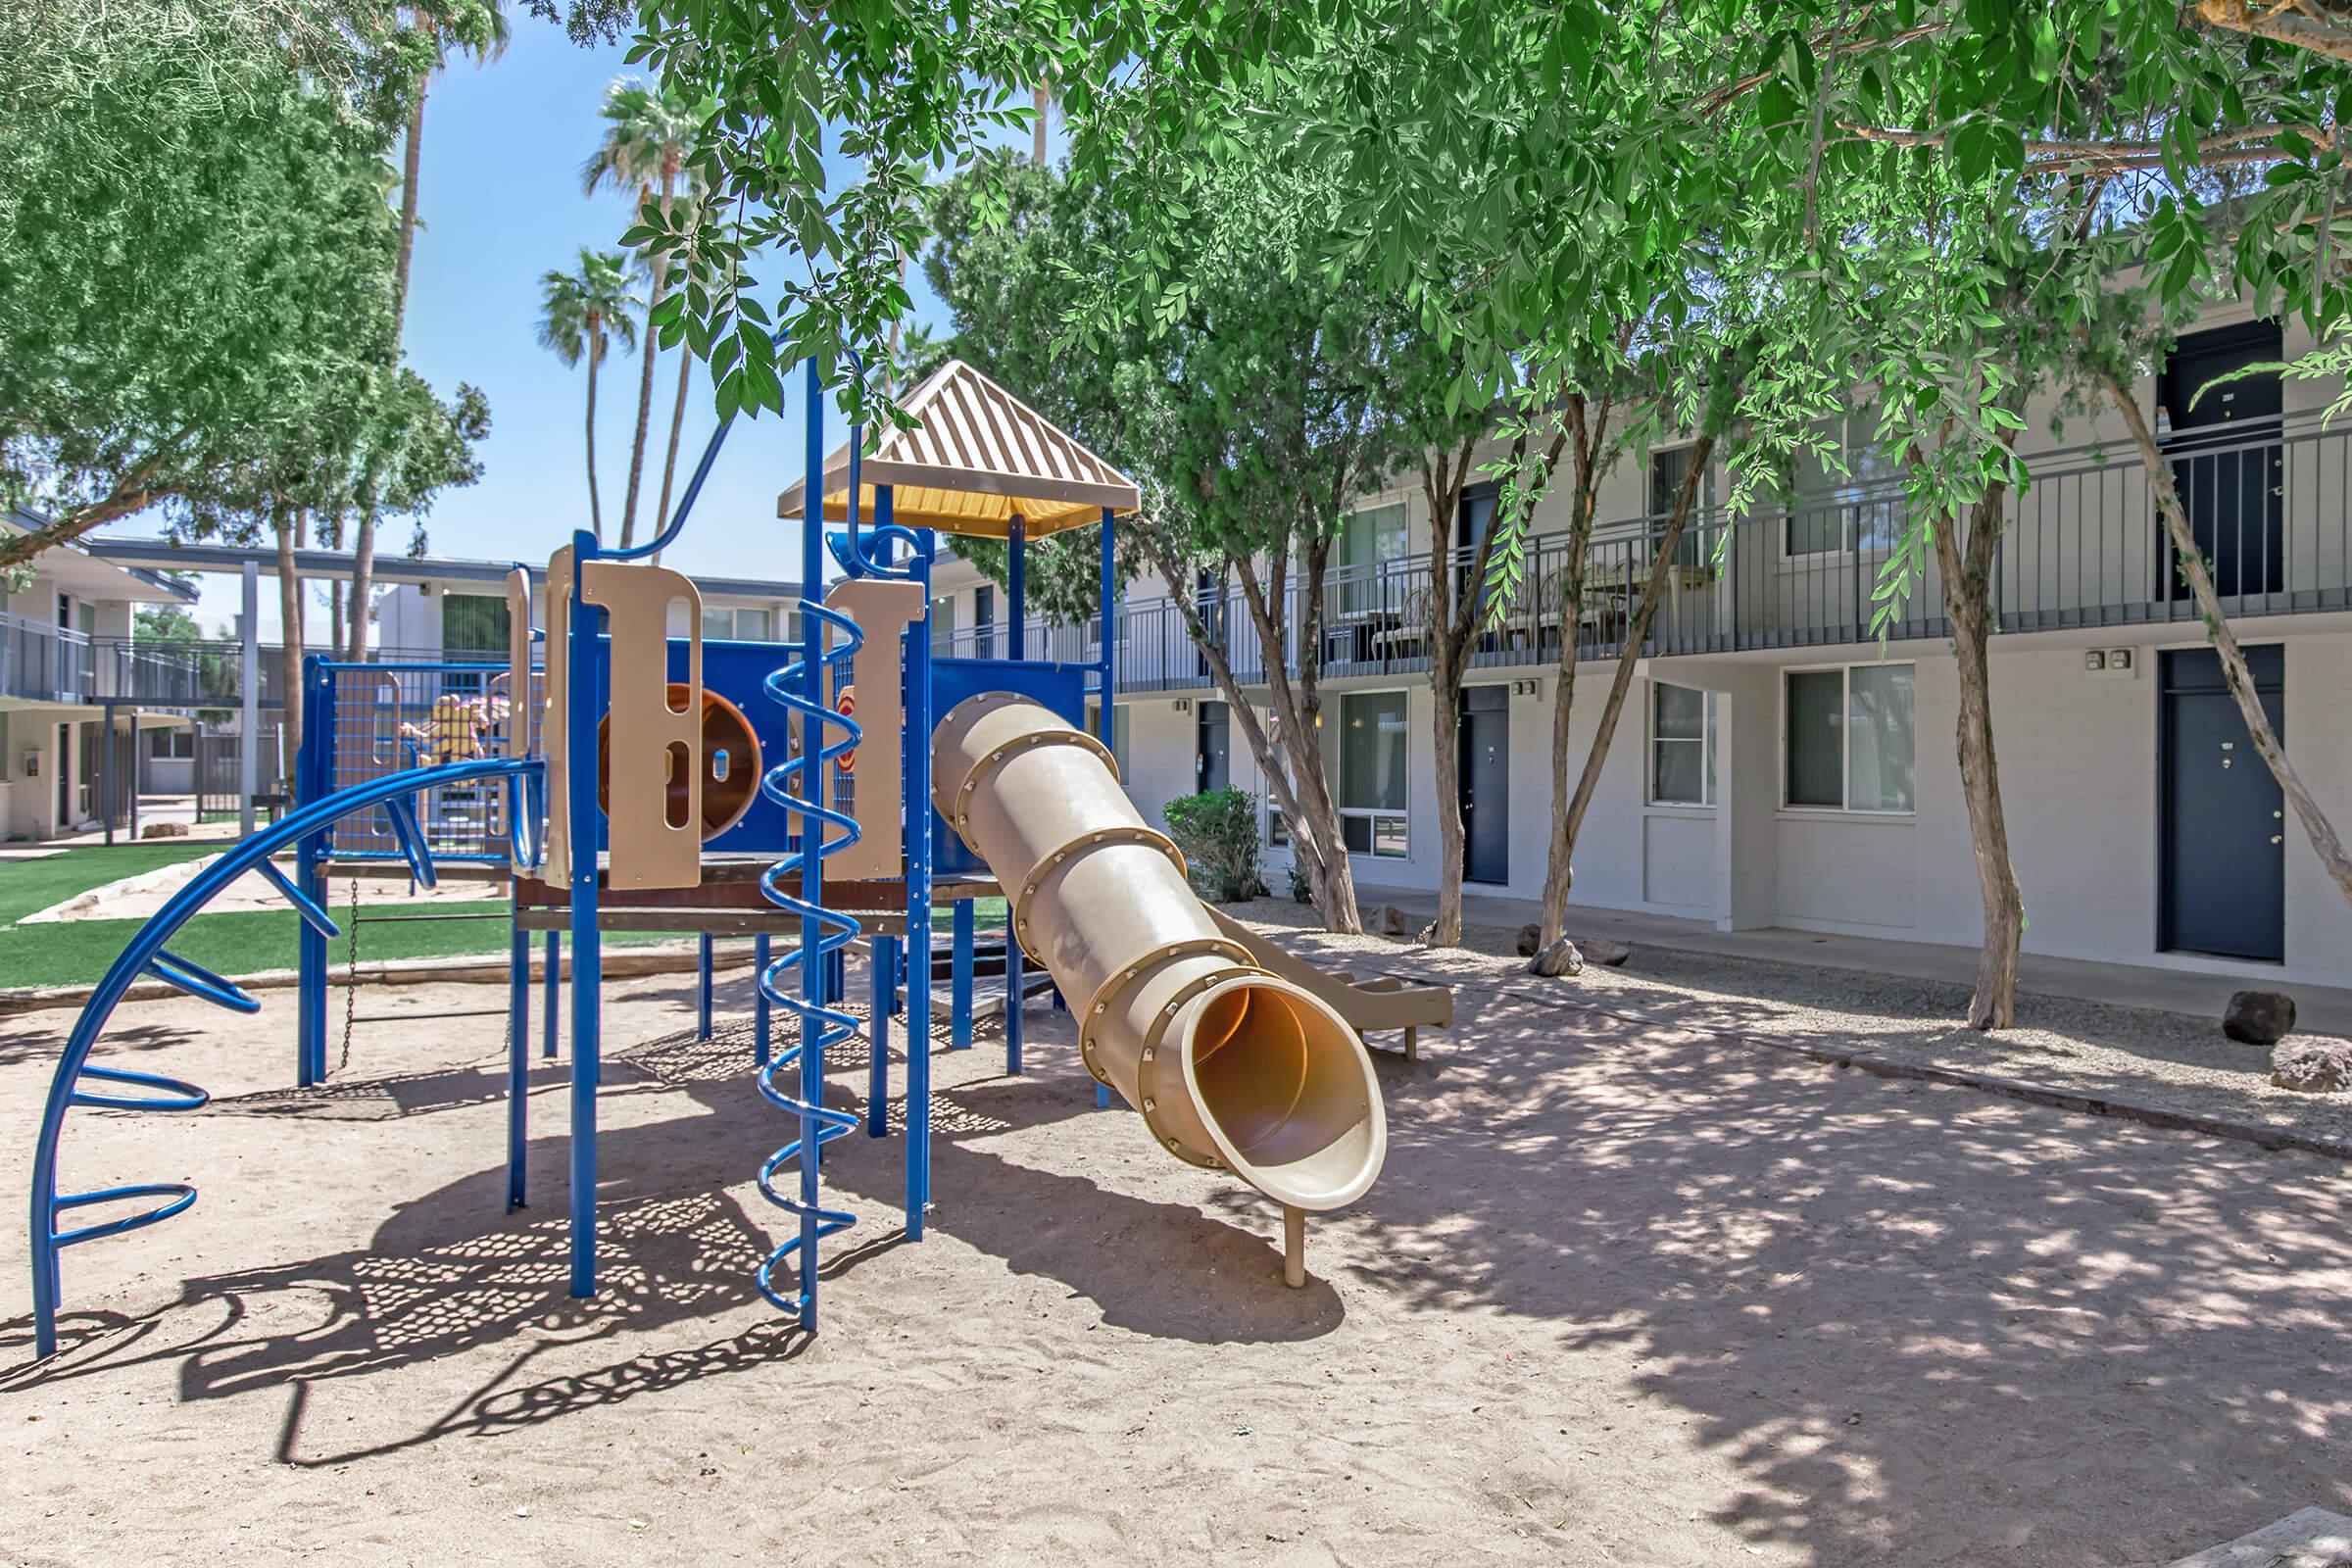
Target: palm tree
x,y
479,28
677,411
580,311
648,133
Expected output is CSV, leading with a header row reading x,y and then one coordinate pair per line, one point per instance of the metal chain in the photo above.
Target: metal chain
x,y
351,976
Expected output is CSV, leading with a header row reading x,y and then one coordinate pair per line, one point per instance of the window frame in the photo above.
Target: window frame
x,y
1375,816
1846,741
1704,741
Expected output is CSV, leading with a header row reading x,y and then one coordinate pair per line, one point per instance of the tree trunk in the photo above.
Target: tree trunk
x,y
677,423
596,514
362,581
645,376
1041,94
1637,632
1446,750
2316,826
288,524
1968,604
411,158
134,492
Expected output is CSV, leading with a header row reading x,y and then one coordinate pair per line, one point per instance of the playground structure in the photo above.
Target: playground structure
x,y
624,779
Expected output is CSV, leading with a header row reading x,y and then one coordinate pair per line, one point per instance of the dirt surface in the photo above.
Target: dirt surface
x,y
1624,1294
2166,1060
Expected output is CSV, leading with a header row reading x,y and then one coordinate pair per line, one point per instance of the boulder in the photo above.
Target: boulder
x,y
2311,1067
1559,959
165,830
1387,921
2259,1017
1531,937
1607,953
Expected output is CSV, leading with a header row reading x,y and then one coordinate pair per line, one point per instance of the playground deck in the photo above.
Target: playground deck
x,y
1621,1296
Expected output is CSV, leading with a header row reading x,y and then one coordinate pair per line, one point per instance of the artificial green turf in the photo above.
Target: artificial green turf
x,y
29,886
65,952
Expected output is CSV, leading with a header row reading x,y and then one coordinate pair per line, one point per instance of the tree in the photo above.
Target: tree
x,y
578,312
478,26
1253,420
648,135
192,236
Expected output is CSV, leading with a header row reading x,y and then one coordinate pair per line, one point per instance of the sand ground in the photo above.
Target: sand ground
x,y
1625,1295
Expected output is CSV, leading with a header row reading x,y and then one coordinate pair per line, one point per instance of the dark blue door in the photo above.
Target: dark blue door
x,y
1212,762
2224,816
1485,739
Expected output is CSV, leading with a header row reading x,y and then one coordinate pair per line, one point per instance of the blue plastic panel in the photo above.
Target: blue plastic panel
x,y
1059,687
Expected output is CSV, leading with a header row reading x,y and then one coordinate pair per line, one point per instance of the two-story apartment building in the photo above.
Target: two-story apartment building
x,y
1778,767
73,683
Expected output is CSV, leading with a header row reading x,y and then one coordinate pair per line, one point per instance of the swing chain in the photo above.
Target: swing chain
x,y
351,978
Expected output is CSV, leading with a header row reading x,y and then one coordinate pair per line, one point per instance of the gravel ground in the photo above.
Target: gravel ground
x,y
2165,1060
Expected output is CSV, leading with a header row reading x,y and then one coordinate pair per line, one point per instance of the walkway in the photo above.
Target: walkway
x,y
2318,1009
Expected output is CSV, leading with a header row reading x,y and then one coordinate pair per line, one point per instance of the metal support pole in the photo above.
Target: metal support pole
x,y
249,673
1107,714
759,1003
311,775
812,834
915,769
877,1035
1016,593
551,1000
704,962
106,769
959,984
587,957
519,1057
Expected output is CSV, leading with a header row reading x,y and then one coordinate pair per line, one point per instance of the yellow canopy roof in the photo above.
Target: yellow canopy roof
x,y
977,458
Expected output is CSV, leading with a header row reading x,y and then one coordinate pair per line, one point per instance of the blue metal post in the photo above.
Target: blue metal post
x,y
759,1003
703,963
551,997
587,957
915,769
812,836
877,1035
311,783
1106,719
959,984
519,1057
1016,594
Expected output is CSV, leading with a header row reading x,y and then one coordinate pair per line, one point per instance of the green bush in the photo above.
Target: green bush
x,y
1302,891
1219,834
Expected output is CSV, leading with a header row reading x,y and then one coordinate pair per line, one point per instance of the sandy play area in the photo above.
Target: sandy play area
x,y
1624,1295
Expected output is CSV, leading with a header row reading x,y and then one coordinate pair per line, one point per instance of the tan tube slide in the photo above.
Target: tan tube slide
x,y
1234,1069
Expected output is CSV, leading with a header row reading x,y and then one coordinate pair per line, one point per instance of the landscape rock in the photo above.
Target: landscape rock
x,y
2311,1067
1558,961
1609,955
1387,921
1531,937
1428,935
165,830
2259,1017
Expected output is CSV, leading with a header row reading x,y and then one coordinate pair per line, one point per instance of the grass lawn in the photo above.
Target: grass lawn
x,y
67,953
28,886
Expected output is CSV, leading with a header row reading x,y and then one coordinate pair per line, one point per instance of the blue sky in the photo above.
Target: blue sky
x,y
500,204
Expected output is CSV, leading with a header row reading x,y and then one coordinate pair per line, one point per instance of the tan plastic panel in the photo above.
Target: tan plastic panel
x,y
882,611
650,742
1233,1068
552,716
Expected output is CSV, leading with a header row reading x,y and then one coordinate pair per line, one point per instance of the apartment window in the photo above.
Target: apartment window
x,y
1850,738
475,623
730,624
943,626
1667,471
168,745
1682,746
1372,773
1370,538
1835,513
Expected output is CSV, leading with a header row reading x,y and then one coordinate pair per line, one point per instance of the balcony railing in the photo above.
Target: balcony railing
x,y
2080,546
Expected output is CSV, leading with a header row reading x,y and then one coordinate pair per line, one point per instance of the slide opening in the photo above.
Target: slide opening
x,y
1286,1090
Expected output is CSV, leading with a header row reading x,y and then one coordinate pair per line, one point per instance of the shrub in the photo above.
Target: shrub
x,y
1217,832
1301,891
